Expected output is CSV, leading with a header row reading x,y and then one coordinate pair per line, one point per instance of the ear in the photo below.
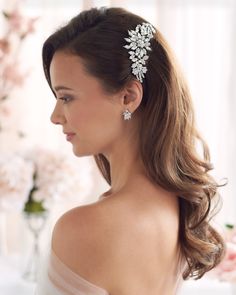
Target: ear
x,y
132,96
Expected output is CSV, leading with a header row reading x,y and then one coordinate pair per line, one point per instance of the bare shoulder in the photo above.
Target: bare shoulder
x,y
74,231
116,242
82,239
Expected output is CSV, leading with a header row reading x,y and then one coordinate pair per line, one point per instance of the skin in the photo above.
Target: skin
x,y
96,117
133,212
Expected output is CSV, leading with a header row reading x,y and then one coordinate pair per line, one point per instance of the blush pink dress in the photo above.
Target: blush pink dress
x,y
56,278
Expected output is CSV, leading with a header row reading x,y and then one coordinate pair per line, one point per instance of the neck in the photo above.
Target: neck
x,y
125,165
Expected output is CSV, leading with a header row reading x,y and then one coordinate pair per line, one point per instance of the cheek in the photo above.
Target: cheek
x,y
103,123
78,119
96,121
107,119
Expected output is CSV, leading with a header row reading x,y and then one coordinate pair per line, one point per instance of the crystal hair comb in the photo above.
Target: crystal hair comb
x,y
139,45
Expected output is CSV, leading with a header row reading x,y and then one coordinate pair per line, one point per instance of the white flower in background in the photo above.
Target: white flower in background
x,y
38,176
15,180
58,176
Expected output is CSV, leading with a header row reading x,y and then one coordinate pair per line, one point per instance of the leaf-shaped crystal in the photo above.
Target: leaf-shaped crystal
x,y
139,44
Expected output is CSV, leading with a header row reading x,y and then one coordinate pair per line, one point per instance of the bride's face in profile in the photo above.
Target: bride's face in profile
x,y
83,107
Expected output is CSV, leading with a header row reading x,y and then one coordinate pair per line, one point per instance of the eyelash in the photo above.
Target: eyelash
x,y
65,99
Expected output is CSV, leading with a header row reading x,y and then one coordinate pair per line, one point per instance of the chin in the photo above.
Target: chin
x,y
79,153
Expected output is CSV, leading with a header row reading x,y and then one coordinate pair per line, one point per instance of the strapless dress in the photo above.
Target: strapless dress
x,y
55,278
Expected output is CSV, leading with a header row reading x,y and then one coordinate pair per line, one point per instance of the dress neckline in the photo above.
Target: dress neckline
x,y
78,277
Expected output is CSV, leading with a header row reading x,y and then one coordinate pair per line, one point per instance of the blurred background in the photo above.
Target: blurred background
x,y
202,34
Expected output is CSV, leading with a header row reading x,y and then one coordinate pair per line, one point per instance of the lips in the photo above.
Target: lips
x,y
69,135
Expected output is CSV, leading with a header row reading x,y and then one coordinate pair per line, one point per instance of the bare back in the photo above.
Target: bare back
x,y
132,247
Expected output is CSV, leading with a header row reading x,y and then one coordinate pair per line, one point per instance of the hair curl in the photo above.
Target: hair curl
x,y
168,136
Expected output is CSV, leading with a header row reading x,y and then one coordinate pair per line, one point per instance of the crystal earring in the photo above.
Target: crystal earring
x,y
127,115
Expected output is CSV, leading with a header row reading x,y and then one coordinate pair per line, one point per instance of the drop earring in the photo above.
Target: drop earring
x,y
127,114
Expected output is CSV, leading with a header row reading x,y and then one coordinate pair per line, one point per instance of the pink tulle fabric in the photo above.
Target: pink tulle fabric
x,y
57,279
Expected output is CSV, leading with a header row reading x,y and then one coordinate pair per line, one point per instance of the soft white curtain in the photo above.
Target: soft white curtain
x,y
202,34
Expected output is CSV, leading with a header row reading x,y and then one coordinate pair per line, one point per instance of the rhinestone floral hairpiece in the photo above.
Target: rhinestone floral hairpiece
x,y
139,44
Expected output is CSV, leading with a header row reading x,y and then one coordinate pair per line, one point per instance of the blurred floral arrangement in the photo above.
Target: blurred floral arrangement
x,y
17,28
32,179
15,180
226,270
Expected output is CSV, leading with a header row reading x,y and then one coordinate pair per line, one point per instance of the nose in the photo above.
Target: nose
x,y
57,116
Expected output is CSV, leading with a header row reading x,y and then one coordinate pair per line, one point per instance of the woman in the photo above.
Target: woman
x,y
121,98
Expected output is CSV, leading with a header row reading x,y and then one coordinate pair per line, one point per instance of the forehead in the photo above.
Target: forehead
x,y
68,69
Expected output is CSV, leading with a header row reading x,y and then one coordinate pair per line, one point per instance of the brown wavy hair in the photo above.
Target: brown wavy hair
x,y
168,136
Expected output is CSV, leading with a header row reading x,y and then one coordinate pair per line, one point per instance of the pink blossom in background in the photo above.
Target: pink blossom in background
x,y
31,25
5,46
15,180
58,175
4,111
12,74
18,23
226,270
55,175
16,20
18,27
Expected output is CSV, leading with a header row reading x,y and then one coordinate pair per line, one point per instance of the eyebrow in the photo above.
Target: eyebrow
x,y
59,87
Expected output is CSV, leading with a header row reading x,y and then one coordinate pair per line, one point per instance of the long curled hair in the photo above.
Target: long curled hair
x,y
168,136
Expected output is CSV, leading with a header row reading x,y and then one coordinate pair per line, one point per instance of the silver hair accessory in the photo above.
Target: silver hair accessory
x,y
139,44
127,114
